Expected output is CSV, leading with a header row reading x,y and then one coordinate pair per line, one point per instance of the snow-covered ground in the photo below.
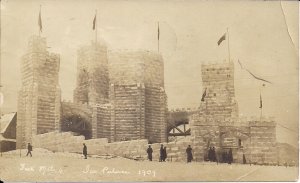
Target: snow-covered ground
x,y
48,166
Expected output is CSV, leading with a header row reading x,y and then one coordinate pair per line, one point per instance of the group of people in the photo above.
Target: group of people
x,y
212,154
226,157
163,153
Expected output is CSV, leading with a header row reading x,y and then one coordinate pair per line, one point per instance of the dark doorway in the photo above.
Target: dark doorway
x,y
77,124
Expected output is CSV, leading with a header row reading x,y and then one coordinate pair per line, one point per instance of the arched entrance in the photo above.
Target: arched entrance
x,y
77,124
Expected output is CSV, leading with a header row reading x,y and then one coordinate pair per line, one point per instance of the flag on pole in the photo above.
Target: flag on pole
x,y
94,22
222,39
40,22
260,106
158,31
203,95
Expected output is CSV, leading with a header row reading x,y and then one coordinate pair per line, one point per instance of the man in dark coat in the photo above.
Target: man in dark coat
x,y
29,149
84,152
244,159
225,160
210,154
213,154
164,153
189,154
149,152
161,153
230,157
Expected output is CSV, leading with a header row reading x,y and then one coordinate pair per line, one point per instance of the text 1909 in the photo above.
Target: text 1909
x,y
147,173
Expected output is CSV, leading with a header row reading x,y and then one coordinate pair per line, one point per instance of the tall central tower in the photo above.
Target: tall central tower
x,y
92,75
137,95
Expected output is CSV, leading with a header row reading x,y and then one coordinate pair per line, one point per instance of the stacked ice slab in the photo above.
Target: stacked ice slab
x,y
101,121
67,142
128,112
263,147
92,75
137,95
39,96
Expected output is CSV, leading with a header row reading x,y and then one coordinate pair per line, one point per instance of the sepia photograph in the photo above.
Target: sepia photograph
x,y
149,90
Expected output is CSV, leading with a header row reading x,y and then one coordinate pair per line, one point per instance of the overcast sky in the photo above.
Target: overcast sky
x,y
263,36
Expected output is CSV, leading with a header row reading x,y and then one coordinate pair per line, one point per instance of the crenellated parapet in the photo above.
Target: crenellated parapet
x,y
136,66
187,109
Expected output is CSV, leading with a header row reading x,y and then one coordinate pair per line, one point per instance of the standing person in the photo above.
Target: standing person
x,y
161,153
189,154
29,149
225,157
210,154
214,157
84,151
149,152
165,153
230,158
244,159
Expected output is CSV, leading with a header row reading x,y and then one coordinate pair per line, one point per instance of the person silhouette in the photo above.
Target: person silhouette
x,y
161,151
149,152
29,149
84,151
189,154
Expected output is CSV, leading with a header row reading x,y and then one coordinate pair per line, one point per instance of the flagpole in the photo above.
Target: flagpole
x,y
228,45
96,24
205,107
260,108
96,32
260,113
206,111
0,81
158,36
260,104
40,20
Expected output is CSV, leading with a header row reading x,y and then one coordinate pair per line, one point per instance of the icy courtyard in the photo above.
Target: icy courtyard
x,y
49,166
